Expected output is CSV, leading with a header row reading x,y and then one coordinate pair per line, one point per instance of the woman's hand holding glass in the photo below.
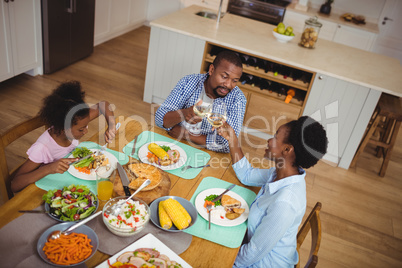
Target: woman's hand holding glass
x,y
217,116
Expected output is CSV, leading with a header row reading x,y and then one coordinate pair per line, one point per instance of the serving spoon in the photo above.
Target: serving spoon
x,y
56,234
115,209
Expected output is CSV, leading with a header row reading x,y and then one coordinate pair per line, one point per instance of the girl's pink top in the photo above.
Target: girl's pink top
x,y
46,150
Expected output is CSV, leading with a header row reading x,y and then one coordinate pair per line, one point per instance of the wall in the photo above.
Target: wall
x,y
159,8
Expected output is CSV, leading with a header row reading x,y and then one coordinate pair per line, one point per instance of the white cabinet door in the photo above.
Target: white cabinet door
x,y
114,18
21,38
344,109
354,37
6,66
210,4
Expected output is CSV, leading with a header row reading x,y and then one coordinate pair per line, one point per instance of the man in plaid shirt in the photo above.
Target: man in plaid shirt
x,y
219,82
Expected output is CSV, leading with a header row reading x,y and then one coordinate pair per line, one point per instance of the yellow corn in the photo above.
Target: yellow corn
x,y
183,210
164,219
175,211
158,151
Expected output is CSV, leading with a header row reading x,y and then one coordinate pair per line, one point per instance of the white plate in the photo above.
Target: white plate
x,y
147,241
143,152
218,213
92,176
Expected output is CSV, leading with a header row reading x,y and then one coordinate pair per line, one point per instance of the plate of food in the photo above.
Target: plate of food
x,y
147,251
164,155
71,203
85,169
231,210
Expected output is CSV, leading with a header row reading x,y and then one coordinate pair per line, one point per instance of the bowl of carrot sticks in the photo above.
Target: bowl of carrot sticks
x,y
69,250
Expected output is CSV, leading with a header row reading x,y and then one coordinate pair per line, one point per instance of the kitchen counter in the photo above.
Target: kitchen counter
x,y
357,66
336,18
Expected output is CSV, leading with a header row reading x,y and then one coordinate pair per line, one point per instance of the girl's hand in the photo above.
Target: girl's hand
x,y
61,166
110,133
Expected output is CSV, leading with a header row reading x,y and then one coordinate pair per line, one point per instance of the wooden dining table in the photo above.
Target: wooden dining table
x,y
201,252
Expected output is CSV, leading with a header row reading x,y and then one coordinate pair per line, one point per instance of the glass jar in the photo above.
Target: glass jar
x,y
310,33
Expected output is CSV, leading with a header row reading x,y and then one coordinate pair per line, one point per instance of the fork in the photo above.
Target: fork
x,y
209,208
183,169
103,148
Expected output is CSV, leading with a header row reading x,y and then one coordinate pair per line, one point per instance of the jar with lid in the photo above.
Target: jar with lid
x,y
310,33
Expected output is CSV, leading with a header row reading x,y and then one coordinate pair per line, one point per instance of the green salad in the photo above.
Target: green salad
x,y
72,203
82,152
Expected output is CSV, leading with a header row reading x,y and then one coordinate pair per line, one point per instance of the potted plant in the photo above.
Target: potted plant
x,y
326,7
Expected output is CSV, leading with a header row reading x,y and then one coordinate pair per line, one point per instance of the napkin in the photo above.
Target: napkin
x,y
195,157
231,237
58,181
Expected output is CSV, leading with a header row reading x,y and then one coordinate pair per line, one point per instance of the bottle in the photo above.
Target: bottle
x,y
260,64
246,79
290,94
251,61
275,69
255,81
264,84
285,71
215,50
282,91
244,58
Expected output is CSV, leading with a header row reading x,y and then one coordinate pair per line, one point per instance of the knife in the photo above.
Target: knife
x,y
124,179
227,190
33,211
88,156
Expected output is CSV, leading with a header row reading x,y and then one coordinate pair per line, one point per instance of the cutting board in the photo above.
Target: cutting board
x,y
162,189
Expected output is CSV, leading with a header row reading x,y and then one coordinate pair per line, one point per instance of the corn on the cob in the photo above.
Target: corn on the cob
x,y
175,213
164,220
183,210
158,151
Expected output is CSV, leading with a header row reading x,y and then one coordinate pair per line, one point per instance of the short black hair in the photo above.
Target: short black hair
x,y
229,56
309,140
57,105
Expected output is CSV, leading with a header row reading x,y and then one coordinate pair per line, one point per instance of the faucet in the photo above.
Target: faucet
x,y
219,14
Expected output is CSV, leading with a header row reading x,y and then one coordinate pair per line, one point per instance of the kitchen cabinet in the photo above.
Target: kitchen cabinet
x,y
270,83
114,18
344,109
170,57
332,31
211,4
20,38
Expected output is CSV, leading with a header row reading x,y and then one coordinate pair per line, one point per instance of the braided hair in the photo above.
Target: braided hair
x,y
57,105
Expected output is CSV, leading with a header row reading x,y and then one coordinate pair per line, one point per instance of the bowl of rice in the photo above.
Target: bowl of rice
x,y
132,219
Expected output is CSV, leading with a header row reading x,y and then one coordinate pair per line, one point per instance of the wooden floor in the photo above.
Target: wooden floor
x,y
361,214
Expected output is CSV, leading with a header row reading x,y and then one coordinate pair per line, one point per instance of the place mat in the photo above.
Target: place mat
x,y
110,243
231,237
58,181
19,240
195,157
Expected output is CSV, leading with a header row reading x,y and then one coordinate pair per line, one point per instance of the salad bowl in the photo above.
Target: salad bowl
x,y
71,203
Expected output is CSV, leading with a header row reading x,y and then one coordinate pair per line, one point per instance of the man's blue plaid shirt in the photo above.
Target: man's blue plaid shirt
x,y
186,93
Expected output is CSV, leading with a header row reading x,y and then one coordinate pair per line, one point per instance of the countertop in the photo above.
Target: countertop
x,y
361,67
335,18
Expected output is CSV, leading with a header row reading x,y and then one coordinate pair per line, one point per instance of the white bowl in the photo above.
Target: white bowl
x,y
282,38
125,231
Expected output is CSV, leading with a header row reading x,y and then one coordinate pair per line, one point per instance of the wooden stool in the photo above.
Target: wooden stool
x,y
387,118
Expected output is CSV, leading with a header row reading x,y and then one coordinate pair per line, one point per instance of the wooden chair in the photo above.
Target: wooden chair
x,y
312,223
6,139
386,118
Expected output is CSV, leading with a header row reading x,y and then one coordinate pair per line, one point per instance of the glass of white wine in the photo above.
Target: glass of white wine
x,y
201,108
217,116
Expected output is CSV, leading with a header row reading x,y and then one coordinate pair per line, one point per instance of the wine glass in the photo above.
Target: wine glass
x,y
217,116
201,108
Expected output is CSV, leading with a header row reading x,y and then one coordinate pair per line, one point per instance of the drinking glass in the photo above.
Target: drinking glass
x,y
104,182
201,108
217,116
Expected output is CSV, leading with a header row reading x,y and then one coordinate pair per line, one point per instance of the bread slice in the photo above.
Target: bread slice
x,y
229,202
140,172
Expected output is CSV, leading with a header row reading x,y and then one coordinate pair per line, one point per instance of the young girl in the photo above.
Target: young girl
x,y
67,116
278,209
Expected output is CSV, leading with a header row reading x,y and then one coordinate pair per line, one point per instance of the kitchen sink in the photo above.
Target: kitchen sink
x,y
207,14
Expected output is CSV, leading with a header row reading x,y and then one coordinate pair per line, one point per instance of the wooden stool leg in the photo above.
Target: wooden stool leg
x,y
365,140
385,136
388,152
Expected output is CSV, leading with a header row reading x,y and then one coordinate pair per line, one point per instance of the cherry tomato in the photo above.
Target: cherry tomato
x,y
80,190
57,194
73,189
71,207
76,217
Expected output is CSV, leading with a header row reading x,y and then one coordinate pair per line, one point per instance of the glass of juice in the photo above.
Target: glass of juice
x,y
104,182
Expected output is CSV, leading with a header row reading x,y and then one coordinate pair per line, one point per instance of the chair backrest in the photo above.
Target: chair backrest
x,y
312,223
7,138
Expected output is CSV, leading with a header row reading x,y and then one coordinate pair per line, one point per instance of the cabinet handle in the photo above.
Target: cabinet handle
x,y
385,20
320,77
339,26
